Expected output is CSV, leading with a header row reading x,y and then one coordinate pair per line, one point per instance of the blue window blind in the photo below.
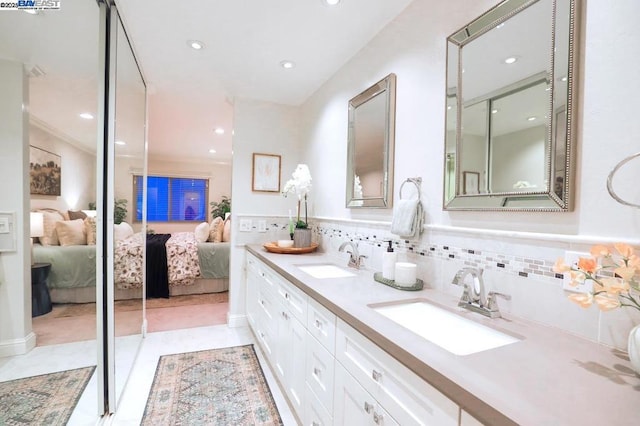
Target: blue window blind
x,y
171,199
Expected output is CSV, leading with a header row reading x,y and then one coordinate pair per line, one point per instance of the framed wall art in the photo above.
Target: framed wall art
x,y
266,173
45,170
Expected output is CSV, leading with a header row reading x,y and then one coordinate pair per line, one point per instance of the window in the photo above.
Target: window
x,y
171,199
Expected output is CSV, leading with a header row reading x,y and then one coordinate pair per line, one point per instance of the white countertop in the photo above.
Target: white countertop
x,y
548,378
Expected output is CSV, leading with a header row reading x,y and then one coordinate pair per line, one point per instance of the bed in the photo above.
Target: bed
x,y
73,273
192,265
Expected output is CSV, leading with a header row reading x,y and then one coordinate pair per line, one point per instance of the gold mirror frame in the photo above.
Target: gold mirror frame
x,y
557,192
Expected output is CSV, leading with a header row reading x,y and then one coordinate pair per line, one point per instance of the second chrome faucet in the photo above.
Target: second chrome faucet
x,y
474,297
355,258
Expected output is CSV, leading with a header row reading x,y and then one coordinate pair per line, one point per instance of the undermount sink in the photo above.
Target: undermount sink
x,y
325,271
446,329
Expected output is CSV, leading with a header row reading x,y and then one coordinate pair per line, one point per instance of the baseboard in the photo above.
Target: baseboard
x,y
234,320
17,346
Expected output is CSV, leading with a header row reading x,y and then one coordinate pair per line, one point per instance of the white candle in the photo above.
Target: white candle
x,y
405,274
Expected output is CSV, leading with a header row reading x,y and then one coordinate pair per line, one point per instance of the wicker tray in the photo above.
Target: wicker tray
x,y
391,283
274,248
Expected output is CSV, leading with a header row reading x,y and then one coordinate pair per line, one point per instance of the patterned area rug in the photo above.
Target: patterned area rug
x,y
213,387
48,399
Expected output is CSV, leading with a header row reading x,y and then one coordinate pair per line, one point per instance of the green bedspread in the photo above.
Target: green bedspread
x,y
74,266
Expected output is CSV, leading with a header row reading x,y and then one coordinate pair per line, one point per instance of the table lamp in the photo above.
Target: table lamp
x,y
36,220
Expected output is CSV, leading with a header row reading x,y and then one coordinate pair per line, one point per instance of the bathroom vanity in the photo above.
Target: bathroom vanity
x,y
340,360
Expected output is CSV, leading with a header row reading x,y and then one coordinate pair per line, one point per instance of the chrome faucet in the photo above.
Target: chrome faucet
x,y
474,298
355,258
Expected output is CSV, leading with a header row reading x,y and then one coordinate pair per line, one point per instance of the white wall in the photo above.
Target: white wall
x,y
16,336
78,173
267,128
413,47
519,156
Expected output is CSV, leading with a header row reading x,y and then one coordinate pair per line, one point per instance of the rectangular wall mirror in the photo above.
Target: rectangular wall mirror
x,y
510,95
371,146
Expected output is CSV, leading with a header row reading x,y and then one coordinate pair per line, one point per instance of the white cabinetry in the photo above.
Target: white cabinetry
x,y
406,397
330,372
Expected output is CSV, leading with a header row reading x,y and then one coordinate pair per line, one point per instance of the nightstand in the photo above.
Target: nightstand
x,y
40,298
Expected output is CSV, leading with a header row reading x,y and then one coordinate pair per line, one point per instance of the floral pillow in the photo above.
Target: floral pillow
x,y
215,230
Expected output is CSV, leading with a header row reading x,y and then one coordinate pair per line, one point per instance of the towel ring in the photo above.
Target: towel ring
x,y
417,181
610,181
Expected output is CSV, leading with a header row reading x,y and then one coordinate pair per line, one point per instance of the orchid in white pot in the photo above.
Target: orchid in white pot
x,y
300,185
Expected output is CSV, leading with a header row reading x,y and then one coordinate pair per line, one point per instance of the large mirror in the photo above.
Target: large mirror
x,y
371,145
510,95
128,146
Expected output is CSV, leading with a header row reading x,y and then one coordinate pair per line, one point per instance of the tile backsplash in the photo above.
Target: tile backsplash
x,y
514,266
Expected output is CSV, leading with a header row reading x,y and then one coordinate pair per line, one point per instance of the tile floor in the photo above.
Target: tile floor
x,y
135,390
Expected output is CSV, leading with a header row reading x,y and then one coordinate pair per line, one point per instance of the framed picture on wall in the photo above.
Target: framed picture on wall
x,y
45,170
266,173
470,183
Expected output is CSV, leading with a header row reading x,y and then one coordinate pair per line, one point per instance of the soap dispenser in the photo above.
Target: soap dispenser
x,y
389,263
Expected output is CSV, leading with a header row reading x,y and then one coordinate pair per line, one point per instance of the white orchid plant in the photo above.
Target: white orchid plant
x,y
300,185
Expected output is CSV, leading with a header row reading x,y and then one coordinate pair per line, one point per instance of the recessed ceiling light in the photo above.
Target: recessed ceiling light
x,y
563,79
500,25
121,143
531,118
219,131
448,106
331,2
494,111
86,116
287,64
510,60
195,44
212,151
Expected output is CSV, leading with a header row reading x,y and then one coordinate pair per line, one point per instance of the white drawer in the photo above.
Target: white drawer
x,y
354,406
267,310
314,411
320,372
252,263
408,398
294,299
321,324
266,340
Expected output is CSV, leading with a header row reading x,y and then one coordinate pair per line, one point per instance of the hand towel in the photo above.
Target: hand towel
x,y
408,218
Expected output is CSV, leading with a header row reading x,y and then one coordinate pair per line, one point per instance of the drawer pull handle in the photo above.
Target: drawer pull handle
x,y
316,371
262,302
286,295
377,418
318,325
284,315
368,407
376,375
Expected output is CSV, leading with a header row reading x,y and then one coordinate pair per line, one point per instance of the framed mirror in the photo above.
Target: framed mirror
x,y
510,99
371,145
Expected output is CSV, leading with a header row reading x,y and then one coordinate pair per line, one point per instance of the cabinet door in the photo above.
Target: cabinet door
x,y
353,405
252,297
297,366
408,398
320,372
315,414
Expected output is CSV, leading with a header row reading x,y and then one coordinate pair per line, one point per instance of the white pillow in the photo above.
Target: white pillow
x,y
226,232
122,231
90,230
50,219
215,230
202,232
71,232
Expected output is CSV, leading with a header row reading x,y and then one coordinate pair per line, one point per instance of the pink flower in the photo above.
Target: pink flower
x,y
561,267
583,299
